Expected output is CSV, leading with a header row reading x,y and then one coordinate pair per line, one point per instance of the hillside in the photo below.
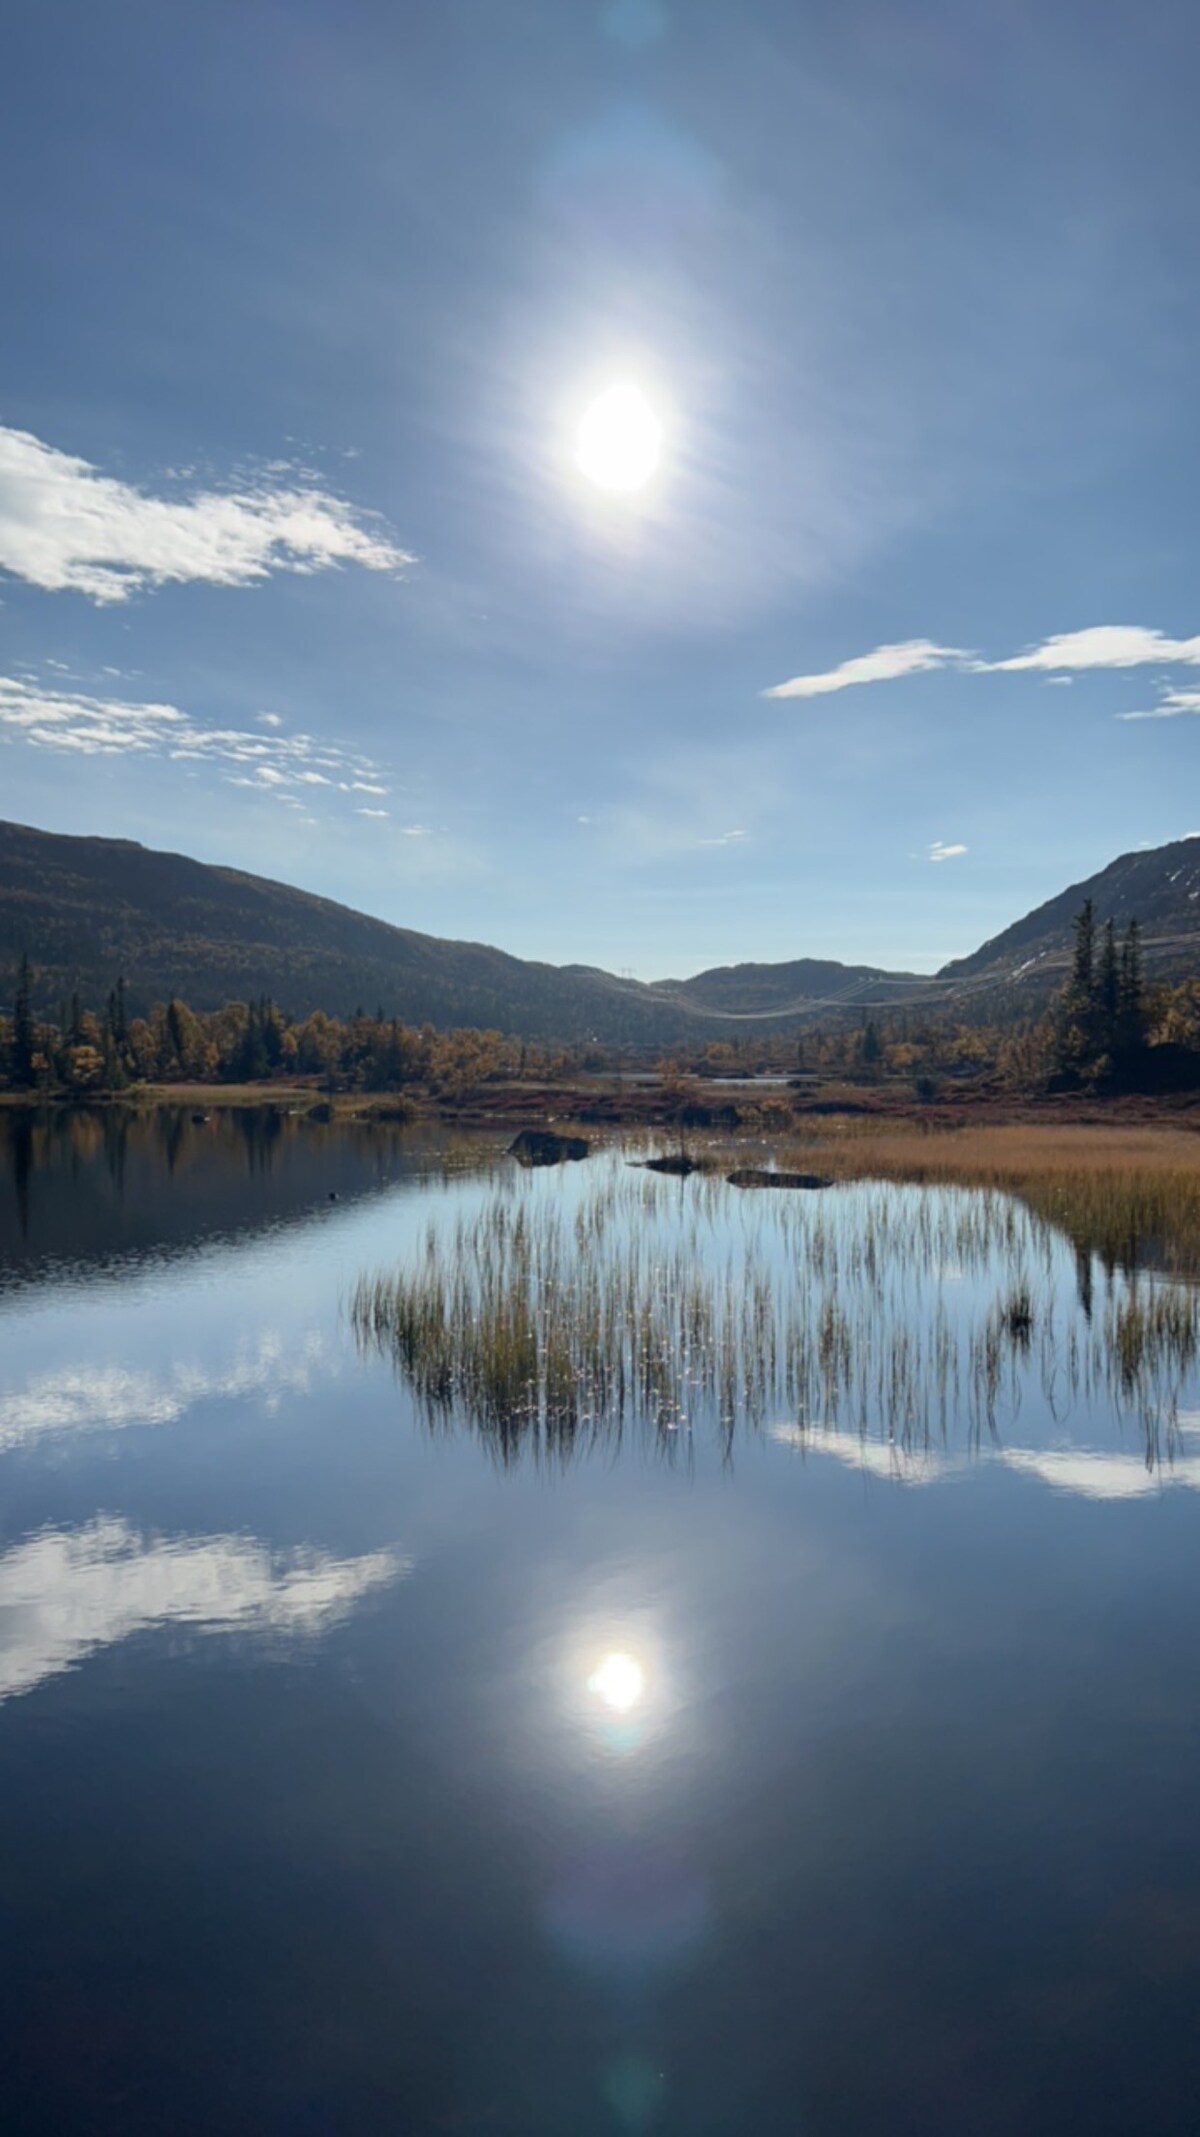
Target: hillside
x,y
87,909
1158,887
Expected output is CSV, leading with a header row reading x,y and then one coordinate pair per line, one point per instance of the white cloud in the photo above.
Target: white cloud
x,y
1103,645
415,831
65,525
1171,706
726,838
46,717
887,664
939,851
269,719
1058,659
64,1593
370,812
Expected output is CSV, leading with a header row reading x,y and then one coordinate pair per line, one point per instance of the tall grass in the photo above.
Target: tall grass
x,y
1130,1195
548,1323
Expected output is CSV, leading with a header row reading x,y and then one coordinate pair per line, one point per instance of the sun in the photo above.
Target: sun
x,y
619,441
619,1682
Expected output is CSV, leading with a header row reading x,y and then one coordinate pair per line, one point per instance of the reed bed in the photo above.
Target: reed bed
x,y
1130,1195
558,1317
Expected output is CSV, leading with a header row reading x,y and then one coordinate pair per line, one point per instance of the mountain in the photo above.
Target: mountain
x,y
87,909
1158,887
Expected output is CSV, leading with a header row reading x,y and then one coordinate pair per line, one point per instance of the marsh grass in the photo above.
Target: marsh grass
x,y
550,1320
1129,1195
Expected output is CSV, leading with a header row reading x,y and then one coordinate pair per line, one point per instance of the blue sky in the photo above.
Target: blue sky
x,y
303,307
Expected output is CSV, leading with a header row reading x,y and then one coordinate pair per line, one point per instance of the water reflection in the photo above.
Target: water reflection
x,y
80,1186
110,1397
65,1593
1081,1471
920,1319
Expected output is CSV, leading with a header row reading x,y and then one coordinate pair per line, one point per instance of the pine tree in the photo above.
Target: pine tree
x,y
1131,1017
1108,991
1082,990
1079,1018
24,1034
175,1030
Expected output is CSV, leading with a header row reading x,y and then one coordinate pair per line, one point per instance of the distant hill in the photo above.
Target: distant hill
x,y
791,989
87,909
1159,887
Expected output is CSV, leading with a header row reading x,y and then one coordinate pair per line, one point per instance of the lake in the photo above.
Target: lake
x,y
575,1650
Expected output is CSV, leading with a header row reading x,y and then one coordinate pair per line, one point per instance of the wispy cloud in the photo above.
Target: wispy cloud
x,y
416,831
726,838
887,664
45,717
1171,706
939,851
1103,645
1058,659
371,812
65,525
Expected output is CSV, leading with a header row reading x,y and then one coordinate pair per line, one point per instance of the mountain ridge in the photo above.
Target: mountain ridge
x,y
87,908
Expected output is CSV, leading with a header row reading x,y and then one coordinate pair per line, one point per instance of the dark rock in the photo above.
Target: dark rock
x,y
677,1163
541,1146
752,1176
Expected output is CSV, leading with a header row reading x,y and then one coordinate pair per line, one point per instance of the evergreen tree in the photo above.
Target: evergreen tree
x,y
24,1034
1132,1018
175,1030
252,1061
1108,991
1079,1017
1082,991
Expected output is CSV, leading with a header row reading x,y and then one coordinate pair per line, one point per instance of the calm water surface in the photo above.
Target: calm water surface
x,y
793,1731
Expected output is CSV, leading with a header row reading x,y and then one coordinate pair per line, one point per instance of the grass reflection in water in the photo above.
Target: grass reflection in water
x,y
554,1320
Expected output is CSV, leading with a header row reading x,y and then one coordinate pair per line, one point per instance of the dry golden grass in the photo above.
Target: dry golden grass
x,y
1128,1193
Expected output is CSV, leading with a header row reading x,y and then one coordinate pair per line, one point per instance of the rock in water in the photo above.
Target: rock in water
x,y
541,1146
753,1177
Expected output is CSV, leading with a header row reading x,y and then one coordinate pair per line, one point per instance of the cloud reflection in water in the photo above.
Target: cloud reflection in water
x,y
65,1593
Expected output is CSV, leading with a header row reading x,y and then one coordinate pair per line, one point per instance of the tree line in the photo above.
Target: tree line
x,y
81,1051
1106,1029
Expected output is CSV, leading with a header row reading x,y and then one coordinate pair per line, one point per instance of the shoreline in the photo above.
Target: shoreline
x,y
866,1109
